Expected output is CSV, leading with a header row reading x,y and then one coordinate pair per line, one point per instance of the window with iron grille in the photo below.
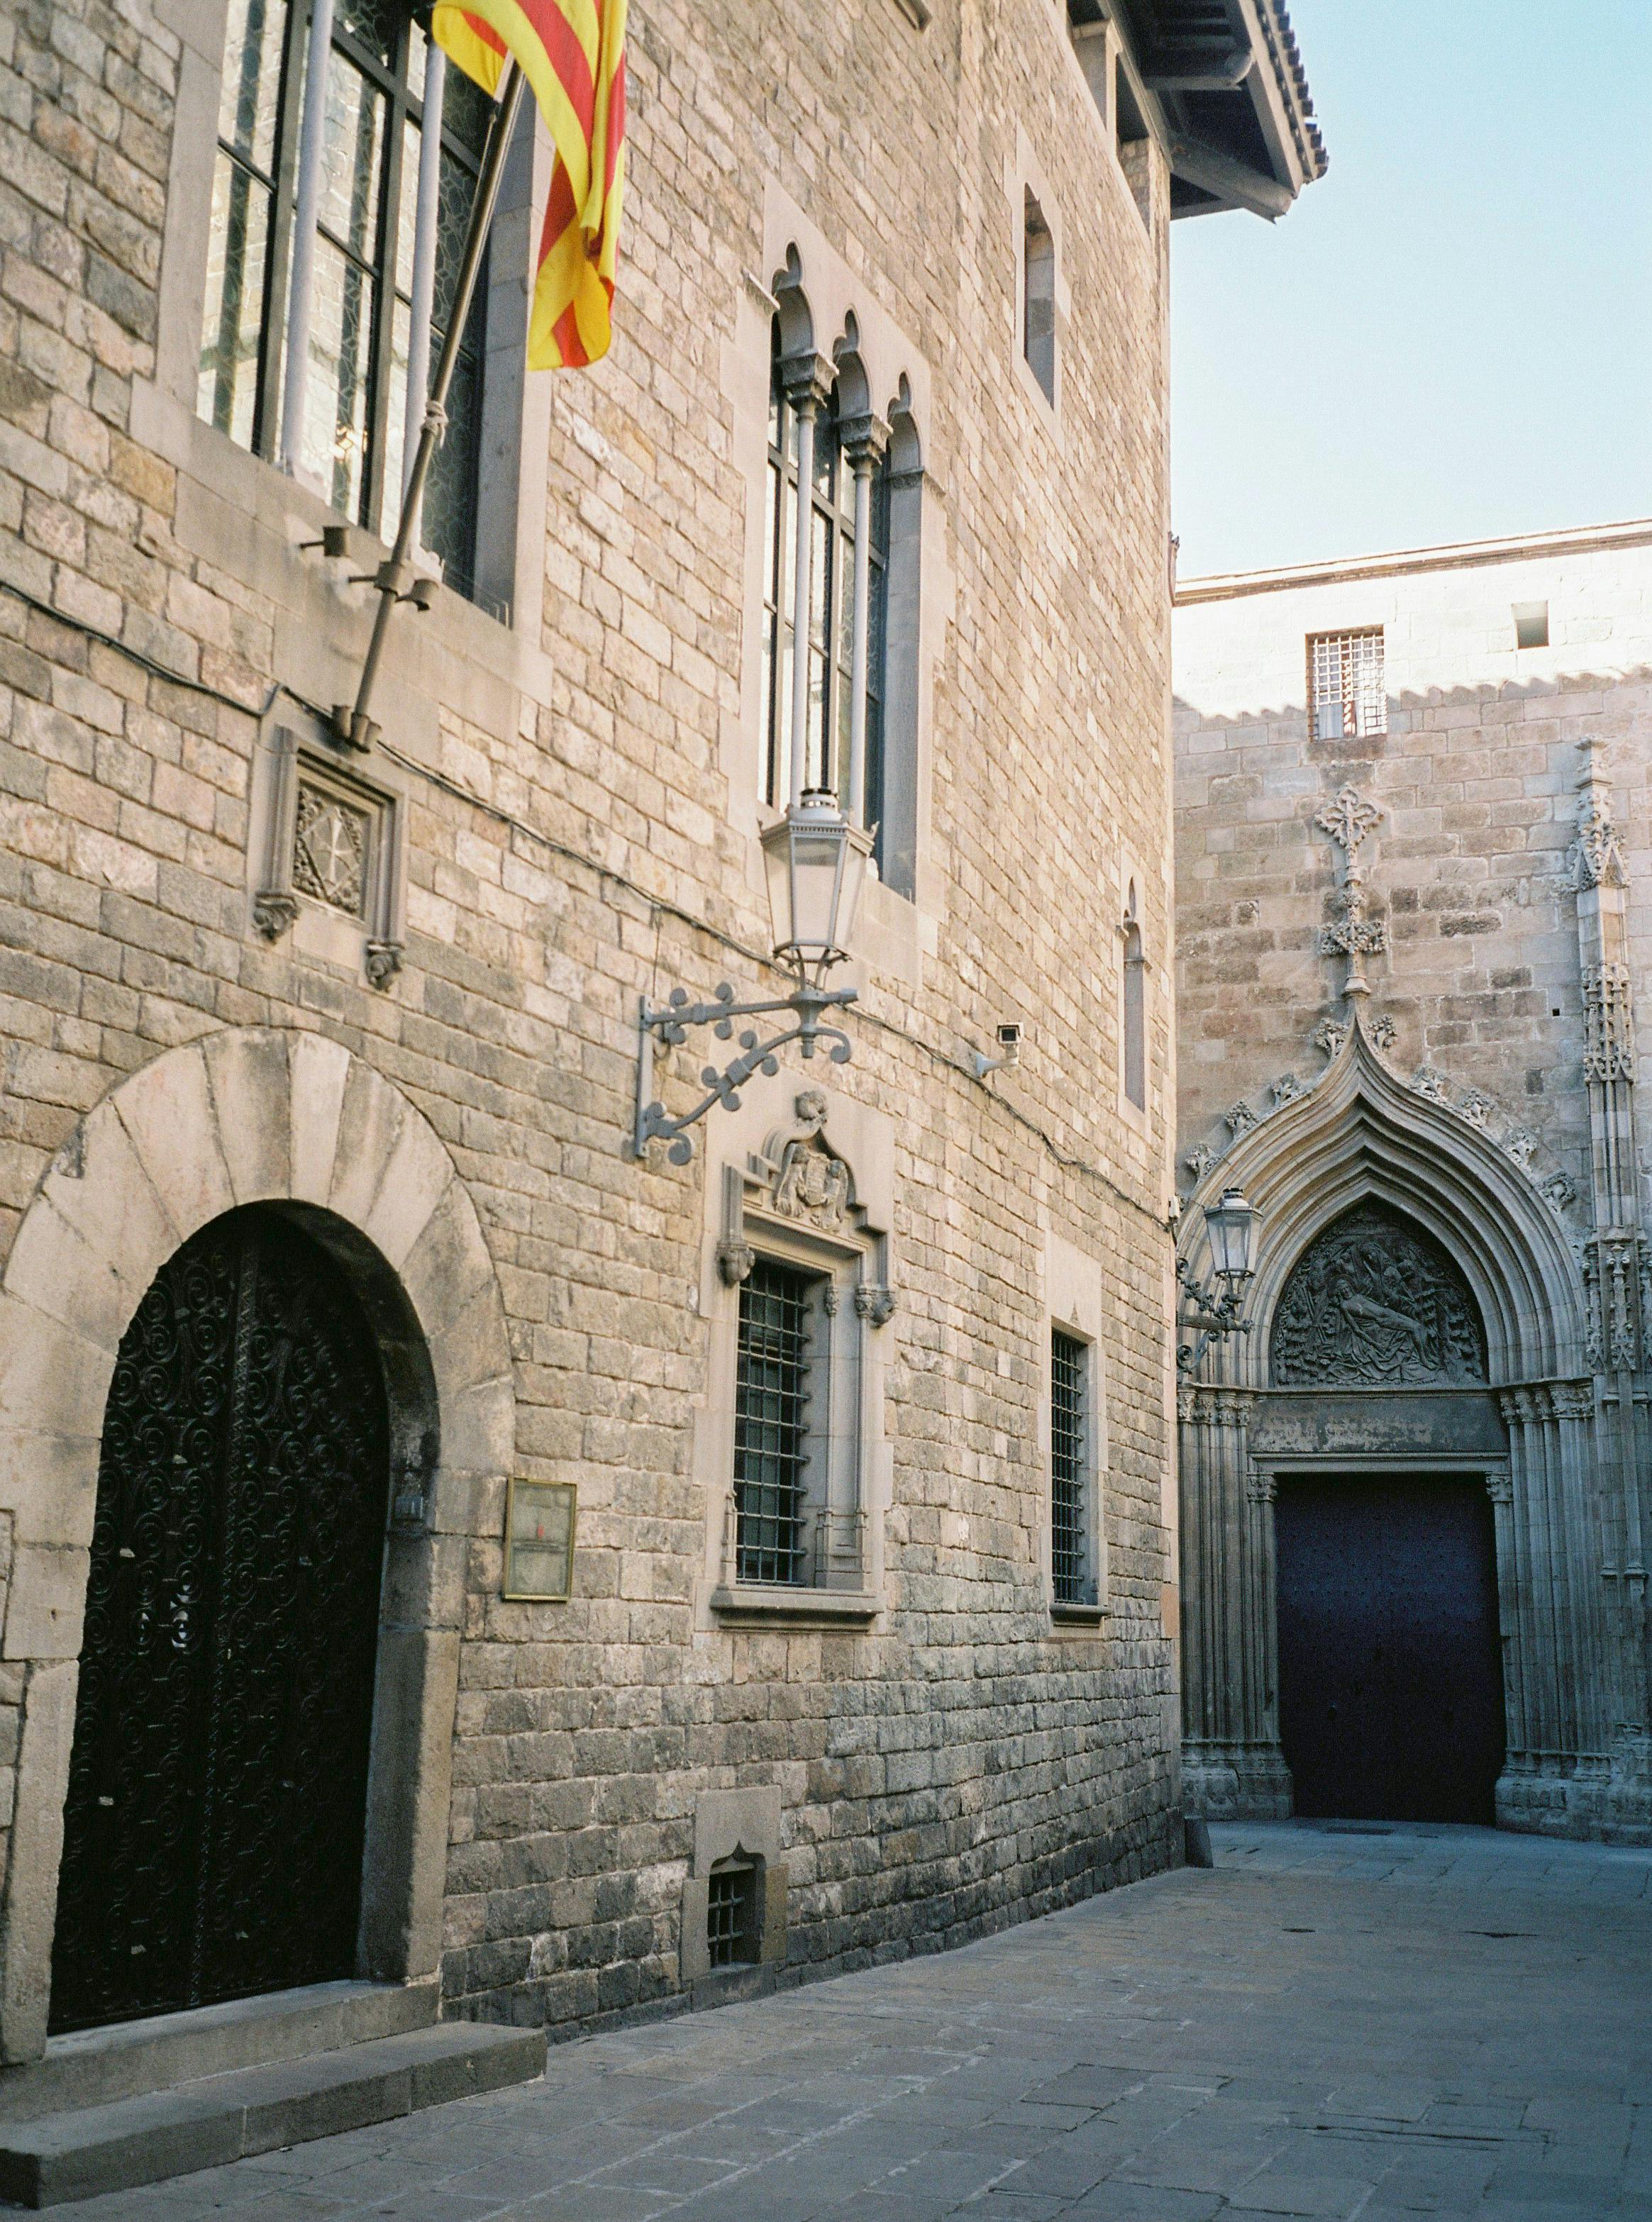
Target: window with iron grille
x,y
771,1398
356,387
1069,1392
832,575
1345,685
732,1938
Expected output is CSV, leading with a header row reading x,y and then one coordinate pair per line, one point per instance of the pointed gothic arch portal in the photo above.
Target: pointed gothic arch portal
x,y
1390,1679
1399,1456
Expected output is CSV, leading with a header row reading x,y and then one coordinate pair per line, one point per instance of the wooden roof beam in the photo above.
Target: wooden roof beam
x,y
1234,183
1192,68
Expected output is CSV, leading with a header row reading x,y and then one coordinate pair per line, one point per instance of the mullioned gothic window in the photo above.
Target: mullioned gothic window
x,y
831,624
354,440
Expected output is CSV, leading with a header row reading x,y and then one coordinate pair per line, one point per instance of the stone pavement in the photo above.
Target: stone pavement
x,y
1366,2023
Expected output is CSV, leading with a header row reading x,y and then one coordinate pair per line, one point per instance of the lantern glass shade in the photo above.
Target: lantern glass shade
x,y
1231,1226
816,865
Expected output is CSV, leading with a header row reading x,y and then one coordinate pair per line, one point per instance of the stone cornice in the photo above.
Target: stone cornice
x,y
1463,555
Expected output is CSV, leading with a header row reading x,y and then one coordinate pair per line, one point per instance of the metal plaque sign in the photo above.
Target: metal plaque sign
x,y
539,1540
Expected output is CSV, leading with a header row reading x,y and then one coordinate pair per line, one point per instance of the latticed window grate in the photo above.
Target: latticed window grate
x,y
771,1403
732,1914
1068,1364
1344,684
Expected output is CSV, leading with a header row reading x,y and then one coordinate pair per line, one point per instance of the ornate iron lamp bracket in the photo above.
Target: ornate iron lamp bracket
x,y
668,1023
1216,1312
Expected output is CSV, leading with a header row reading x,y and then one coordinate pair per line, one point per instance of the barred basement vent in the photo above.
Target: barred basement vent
x,y
732,1936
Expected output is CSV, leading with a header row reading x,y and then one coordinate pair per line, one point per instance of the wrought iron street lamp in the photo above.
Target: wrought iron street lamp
x,y
815,862
1216,1307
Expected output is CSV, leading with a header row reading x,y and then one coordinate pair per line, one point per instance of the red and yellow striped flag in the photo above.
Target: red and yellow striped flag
x,y
572,54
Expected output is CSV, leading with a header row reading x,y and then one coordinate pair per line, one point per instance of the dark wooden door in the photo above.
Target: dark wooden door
x,y
1390,1683
216,1801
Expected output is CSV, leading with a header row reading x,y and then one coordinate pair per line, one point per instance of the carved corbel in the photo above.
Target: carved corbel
x,y
874,1304
273,912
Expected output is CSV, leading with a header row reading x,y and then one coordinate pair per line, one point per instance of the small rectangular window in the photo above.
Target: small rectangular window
x,y
771,1421
1347,701
1069,1431
1531,624
732,1938
1038,297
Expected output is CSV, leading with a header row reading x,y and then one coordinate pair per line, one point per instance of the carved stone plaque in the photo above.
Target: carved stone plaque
x,y
329,850
1376,1303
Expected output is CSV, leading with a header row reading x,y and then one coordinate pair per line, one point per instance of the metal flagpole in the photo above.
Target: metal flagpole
x,y
354,727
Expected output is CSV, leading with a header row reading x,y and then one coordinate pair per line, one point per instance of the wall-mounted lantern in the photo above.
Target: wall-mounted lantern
x,y
1216,1307
815,862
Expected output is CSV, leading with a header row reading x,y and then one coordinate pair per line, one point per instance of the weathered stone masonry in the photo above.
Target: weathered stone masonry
x,y
581,815
1408,964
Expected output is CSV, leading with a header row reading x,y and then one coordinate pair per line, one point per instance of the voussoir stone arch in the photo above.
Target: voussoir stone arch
x,y
1361,1135
246,1116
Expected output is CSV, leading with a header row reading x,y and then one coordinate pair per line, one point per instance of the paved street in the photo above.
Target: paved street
x,y
1336,2022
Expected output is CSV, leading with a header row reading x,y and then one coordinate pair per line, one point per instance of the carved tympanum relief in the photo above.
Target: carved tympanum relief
x,y
1375,1303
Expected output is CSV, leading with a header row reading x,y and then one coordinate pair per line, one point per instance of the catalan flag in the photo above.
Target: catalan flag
x,y
572,54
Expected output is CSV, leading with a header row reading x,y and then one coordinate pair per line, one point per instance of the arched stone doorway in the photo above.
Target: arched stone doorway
x,y
295,1124
1525,1431
217,1806
1390,1676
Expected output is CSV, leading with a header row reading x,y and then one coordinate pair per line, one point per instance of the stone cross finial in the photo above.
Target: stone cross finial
x,y
1349,819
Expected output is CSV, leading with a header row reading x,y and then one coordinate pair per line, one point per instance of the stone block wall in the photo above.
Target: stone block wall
x,y
1471,863
579,835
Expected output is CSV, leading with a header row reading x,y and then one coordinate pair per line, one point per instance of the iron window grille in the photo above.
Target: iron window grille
x,y
356,387
732,1914
1069,1386
771,1399
831,576
1346,685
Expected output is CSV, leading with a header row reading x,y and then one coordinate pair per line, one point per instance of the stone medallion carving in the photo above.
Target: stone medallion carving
x,y
805,1178
1375,1303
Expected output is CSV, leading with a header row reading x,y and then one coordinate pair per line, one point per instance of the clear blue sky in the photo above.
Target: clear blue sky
x,y
1450,336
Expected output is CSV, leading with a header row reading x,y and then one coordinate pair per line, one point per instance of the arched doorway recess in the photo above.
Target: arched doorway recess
x,y
292,1122
217,1803
1390,1702
1362,1140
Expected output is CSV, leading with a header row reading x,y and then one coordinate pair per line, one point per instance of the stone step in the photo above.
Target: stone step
x,y
93,2066
84,2151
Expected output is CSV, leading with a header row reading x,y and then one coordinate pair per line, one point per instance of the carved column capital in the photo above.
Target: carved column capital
x,y
808,380
1573,1400
864,440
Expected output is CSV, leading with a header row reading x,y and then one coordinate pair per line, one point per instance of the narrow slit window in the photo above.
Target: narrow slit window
x,y
1531,624
771,1423
1345,685
1038,296
1133,1013
1069,1428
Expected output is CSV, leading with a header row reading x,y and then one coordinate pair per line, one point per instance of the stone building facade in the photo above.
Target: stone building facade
x,y
313,1050
1414,893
